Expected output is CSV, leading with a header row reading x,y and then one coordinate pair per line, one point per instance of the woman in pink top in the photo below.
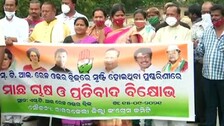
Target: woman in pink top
x,y
99,30
119,33
81,37
34,57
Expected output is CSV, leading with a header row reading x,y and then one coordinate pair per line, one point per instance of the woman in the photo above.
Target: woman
x,y
146,31
99,30
81,37
7,61
119,33
34,57
153,16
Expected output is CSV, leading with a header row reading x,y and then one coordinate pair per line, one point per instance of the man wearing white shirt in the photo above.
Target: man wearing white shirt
x,y
69,14
15,29
174,32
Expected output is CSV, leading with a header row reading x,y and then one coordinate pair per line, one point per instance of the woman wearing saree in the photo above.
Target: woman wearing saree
x,y
81,36
119,33
99,30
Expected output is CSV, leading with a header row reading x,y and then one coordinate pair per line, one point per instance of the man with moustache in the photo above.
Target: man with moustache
x,y
143,56
34,14
69,14
50,30
15,29
211,48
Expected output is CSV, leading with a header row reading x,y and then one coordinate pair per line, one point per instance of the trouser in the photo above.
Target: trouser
x,y
214,97
199,94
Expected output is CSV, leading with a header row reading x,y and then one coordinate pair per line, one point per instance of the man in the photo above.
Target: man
x,y
205,10
194,13
34,14
211,48
143,56
186,19
50,30
164,23
111,60
199,26
15,29
69,14
174,32
175,62
61,57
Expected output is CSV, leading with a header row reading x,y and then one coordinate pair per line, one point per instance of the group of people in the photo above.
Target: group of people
x,y
206,31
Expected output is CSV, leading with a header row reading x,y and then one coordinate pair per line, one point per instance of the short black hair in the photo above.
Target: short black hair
x,y
195,9
218,7
50,3
35,50
15,1
174,5
60,50
82,18
141,12
100,9
143,51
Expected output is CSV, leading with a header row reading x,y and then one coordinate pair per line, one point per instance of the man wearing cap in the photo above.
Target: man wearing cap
x,y
69,14
175,62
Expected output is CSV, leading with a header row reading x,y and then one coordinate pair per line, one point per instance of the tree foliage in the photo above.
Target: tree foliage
x,y
87,6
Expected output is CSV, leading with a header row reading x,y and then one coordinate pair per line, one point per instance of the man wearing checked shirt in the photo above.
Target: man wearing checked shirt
x,y
211,46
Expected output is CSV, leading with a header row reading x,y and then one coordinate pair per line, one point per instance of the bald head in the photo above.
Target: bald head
x,y
206,6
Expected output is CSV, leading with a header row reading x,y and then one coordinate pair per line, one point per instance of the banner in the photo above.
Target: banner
x,y
127,81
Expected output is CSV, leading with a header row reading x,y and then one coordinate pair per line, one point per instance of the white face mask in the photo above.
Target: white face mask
x,y
171,21
65,8
206,18
9,15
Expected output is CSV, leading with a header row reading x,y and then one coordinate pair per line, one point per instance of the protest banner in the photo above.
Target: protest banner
x,y
100,81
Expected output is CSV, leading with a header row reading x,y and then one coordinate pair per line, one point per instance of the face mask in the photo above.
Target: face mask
x,y
206,18
119,21
140,23
218,23
65,8
153,20
99,22
171,21
9,15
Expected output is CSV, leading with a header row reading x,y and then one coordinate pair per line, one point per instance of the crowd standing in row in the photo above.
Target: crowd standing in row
x,y
205,30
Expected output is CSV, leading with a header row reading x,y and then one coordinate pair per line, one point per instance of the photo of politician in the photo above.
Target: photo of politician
x,y
61,57
8,60
175,62
34,56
